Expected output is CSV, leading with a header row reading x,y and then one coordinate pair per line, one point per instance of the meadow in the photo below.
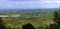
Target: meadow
x,y
39,19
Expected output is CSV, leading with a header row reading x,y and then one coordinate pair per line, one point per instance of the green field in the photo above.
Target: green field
x,y
36,18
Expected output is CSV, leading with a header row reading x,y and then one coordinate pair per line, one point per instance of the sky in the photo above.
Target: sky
x,y
29,4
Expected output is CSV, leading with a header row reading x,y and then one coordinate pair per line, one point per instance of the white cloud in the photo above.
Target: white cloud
x,y
47,2
57,2
28,4
9,5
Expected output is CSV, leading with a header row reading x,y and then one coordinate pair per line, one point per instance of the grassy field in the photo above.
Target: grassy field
x,y
36,19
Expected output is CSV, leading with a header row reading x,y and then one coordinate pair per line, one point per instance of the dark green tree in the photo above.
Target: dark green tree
x,y
56,25
28,26
1,24
57,20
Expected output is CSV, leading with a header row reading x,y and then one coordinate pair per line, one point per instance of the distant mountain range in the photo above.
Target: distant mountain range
x,y
16,10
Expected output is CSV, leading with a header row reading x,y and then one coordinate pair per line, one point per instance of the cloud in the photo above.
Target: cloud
x,y
28,4
47,2
56,1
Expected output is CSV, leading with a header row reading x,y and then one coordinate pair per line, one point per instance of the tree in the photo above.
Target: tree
x,y
28,26
1,24
57,20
